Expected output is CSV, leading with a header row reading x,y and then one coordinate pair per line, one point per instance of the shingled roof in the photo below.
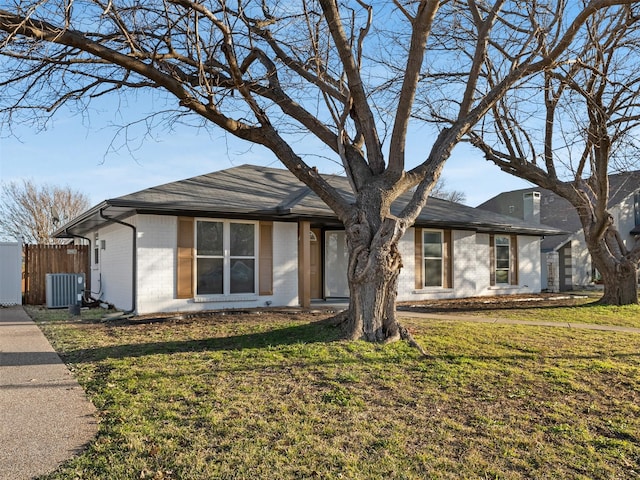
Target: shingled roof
x,y
254,192
555,210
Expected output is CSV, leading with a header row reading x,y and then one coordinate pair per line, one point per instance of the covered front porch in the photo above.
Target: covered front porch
x,y
322,265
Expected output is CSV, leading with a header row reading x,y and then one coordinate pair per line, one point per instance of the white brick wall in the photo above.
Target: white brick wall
x,y
464,264
285,264
157,247
529,264
113,274
471,263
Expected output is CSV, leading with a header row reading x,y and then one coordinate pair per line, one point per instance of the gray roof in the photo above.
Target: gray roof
x,y
250,191
555,210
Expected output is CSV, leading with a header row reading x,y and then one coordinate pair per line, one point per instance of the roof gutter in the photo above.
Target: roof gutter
x,y
134,260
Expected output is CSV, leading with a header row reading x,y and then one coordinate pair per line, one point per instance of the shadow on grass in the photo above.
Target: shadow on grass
x,y
305,334
308,333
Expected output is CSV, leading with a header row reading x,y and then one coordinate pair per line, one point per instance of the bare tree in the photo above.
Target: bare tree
x,y
265,70
587,127
32,213
440,190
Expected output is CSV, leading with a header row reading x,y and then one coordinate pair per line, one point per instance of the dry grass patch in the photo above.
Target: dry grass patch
x,y
281,396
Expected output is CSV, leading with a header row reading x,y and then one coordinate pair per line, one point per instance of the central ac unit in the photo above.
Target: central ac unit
x,y
64,289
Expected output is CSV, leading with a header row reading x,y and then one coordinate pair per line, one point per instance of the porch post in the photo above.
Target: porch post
x,y
304,264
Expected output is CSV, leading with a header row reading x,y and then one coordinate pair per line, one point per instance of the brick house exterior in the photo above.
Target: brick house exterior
x,y
253,236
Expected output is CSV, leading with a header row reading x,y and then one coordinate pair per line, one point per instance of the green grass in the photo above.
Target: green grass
x,y
586,310
282,397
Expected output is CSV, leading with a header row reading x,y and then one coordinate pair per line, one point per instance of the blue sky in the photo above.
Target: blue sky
x,y
79,153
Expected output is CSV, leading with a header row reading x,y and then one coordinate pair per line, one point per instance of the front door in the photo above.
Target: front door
x,y
336,260
565,268
315,267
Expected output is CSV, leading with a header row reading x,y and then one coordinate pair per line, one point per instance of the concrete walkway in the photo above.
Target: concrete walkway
x,y
45,417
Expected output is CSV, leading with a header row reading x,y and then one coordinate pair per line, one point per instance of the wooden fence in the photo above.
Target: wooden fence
x,y
42,259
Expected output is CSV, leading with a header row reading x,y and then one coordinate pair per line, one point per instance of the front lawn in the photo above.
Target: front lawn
x,y
580,307
279,396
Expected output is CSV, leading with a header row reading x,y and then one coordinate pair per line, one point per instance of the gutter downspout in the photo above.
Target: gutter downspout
x,y
134,269
67,232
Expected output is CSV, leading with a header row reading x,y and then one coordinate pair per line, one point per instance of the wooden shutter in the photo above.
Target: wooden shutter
x,y
419,259
184,266
492,260
513,260
447,259
265,259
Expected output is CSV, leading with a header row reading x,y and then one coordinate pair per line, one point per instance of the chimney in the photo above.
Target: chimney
x,y
531,207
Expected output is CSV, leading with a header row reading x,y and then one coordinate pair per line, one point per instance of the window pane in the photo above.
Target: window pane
x,y
433,250
432,273
502,257
210,276
432,237
502,240
210,238
432,244
502,276
243,276
242,237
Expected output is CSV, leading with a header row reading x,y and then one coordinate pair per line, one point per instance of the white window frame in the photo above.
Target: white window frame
x,y
96,249
502,269
441,258
227,257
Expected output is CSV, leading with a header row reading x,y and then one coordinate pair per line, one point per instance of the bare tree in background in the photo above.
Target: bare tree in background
x,y
266,71
32,213
588,127
440,190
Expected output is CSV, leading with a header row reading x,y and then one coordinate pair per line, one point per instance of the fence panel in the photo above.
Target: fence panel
x,y
10,273
43,259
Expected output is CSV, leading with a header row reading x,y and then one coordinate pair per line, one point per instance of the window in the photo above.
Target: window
x,y
432,258
225,257
636,208
503,252
96,249
502,255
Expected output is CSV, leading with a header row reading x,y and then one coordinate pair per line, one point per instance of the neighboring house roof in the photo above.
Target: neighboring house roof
x,y
250,191
555,210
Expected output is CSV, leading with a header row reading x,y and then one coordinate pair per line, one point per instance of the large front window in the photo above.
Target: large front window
x,y
503,265
225,257
432,258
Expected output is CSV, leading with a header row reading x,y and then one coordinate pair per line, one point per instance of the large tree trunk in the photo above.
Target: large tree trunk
x,y
620,284
374,268
617,267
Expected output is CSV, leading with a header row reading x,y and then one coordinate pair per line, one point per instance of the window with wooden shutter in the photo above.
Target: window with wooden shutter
x,y
447,260
492,260
433,258
513,264
418,257
265,259
503,250
184,267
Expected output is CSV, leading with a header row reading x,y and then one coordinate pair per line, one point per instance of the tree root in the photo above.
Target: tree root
x,y
341,319
405,335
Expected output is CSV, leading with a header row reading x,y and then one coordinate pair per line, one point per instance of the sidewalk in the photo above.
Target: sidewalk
x,y
45,417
